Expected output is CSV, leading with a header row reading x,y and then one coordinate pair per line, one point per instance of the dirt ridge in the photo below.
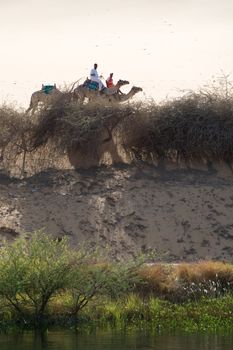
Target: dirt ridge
x,y
184,214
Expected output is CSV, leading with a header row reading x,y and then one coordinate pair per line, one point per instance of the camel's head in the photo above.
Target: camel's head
x,y
136,89
122,82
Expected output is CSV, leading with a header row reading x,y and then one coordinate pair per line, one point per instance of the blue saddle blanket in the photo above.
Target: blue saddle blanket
x,y
47,88
92,85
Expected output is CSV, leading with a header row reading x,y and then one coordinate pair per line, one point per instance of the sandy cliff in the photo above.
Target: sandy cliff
x,y
184,214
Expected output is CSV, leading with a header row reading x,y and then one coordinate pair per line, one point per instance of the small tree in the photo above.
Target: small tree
x,y
89,279
32,271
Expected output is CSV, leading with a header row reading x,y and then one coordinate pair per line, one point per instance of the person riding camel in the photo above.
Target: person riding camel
x,y
110,84
94,76
109,81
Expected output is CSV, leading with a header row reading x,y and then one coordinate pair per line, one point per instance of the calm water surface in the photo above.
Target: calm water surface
x,y
113,340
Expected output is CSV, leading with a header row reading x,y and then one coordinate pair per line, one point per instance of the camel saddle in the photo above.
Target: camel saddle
x,y
47,88
90,84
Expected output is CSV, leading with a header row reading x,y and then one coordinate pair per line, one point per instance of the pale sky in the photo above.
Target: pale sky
x,y
161,45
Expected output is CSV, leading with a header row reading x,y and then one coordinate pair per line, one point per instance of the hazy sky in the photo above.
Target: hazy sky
x,y
160,45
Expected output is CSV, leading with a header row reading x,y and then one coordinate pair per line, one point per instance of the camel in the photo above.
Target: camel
x,y
40,97
81,92
49,97
124,97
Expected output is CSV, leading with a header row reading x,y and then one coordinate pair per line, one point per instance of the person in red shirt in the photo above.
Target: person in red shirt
x,y
109,81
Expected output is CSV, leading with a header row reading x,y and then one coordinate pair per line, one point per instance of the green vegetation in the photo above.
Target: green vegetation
x,y
44,282
31,272
205,315
35,270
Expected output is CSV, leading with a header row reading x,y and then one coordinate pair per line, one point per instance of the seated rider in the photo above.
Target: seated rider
x,y
109,81
94,76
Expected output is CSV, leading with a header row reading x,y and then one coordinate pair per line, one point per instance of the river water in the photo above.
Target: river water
x,y
114,340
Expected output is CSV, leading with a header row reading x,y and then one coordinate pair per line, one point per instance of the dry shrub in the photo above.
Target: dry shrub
x,y
81,129
11,125
15,129
194,127
208,278
18,156
198,126
155,280
69,125
135,132
205,271
186,281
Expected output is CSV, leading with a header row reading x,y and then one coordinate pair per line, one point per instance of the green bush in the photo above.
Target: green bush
x,y
32,271
35,269
88,280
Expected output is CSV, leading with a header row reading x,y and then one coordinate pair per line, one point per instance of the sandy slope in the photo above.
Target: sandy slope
x,y
184,214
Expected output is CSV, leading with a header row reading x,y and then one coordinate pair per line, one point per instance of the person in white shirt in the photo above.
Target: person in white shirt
x,y
94,76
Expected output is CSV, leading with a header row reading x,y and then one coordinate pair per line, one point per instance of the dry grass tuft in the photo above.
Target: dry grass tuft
x,y
205,271
156,280
187,281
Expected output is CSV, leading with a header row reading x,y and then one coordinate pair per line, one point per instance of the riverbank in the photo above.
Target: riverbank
x,y
45,283
204,316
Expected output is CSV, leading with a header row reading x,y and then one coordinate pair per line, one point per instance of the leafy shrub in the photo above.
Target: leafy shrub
x,y
32,271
